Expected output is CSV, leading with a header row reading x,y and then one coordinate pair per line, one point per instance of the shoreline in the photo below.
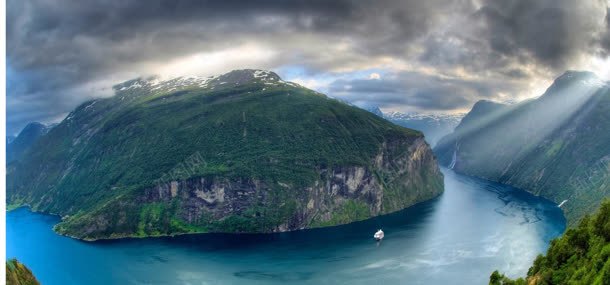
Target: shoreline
x,y
131,237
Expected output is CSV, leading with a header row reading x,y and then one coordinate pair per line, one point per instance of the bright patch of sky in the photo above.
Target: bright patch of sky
x,y
321,81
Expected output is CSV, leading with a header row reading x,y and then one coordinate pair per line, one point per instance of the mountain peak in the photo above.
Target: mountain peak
x,y
235,77
373,109
571,76
574,77
33,127
26,138
577,73
241,76
486,104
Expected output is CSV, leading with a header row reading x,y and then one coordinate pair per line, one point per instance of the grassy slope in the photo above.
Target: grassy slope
x,y
580,256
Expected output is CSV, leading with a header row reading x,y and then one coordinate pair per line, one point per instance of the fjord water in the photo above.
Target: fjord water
x,y
475,227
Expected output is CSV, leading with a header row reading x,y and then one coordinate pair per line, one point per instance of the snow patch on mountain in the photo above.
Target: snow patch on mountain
x,y
236,77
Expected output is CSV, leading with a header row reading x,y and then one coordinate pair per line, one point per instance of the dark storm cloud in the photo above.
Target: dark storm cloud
x,y
63,52
605,40
413,89
501,35
552,32
56,45
103,34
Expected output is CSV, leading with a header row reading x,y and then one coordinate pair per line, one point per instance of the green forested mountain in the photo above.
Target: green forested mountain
x,y
241,152
19,274
580,256
556,146
26,138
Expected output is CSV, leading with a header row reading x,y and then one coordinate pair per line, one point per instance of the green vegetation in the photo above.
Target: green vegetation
x,y
499,279
18,274
580,256
13,206
98,168
555,146
348,212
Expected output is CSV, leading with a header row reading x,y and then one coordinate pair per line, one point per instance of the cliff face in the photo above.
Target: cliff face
x,y
241,152
401,175
555,146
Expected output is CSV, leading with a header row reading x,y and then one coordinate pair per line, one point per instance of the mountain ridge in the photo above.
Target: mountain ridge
x,y
554,146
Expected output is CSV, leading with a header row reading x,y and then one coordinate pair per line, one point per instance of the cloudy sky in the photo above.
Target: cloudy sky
x,y
428,56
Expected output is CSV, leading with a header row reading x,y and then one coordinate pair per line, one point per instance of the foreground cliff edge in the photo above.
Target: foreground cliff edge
x,y
242,152
580,256
19,274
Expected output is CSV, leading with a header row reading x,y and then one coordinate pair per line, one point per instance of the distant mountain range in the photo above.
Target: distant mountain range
x,y
556,146
241,152
434,126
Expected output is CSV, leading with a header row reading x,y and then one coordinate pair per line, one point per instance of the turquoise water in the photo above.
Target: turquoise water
x,y
474,228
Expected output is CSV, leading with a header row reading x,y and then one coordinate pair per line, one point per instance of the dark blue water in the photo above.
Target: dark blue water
x,y
474,228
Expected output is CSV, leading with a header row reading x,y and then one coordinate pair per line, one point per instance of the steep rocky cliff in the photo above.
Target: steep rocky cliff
x,y
341,194
241,152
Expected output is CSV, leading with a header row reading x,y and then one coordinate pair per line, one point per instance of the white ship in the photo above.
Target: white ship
x,y
378,235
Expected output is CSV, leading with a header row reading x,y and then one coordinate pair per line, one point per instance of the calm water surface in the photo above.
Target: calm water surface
x,y
474,228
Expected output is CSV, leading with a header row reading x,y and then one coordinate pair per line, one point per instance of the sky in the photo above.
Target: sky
x,y
428,56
